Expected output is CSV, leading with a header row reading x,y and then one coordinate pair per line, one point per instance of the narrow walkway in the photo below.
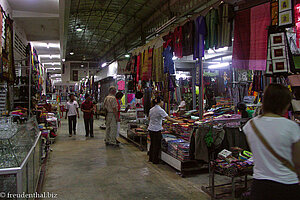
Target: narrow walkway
x,y
84,168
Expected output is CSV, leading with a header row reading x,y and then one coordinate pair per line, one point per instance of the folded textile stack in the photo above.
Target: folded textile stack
x,y
173,146
183,151
184,130
229,165
165,140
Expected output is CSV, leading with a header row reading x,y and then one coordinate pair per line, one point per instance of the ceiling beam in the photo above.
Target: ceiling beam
x,y
111,23
26,14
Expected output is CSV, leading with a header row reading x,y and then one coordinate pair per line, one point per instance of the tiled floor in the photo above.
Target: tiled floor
x,y
84,168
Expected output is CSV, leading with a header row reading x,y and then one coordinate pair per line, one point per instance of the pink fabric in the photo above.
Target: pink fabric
x,y
294,80
130,98
260,20
241,44
121,85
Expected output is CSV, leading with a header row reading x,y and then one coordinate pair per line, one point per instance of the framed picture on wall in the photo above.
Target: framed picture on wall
x,y
285,18
285,5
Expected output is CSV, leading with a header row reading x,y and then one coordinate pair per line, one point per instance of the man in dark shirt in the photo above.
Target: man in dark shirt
x,y
87,107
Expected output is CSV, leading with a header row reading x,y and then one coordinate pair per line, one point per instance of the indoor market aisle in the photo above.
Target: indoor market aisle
x,y
84,168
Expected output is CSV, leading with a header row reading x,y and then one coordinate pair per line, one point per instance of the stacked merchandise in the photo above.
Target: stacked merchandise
x,y
20,114
183,151
182,130
233,163
178,148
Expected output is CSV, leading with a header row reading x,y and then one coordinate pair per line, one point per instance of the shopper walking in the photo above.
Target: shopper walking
x,y
156,116
87,107
112,117
119,96
275,143
72,113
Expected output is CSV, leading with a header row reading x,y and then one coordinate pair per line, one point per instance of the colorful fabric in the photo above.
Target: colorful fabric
x,y
200,32
178,41
168,61
250,38
188,38
157,70
211,39
241,44
225,25
260,20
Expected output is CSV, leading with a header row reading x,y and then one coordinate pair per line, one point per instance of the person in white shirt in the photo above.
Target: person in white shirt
x,y
72,113
272,179
156,116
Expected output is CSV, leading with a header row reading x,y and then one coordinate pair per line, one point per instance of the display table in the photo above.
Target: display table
x,y
184,167
139,139
20,159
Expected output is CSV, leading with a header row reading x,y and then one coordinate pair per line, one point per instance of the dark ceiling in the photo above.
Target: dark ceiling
x,y
111,28
104,23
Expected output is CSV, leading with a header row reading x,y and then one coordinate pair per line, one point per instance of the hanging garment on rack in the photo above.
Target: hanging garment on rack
x,y
188,38
201,148
144,70
241,44
150,64
168,40
225,25
260,20
168,61
138,65
158,70
212,21
200,32
178,41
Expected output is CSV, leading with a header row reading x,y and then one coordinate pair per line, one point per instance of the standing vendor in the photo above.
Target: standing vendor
x,y
156,116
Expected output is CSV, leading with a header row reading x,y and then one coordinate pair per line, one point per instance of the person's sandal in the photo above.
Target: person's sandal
x,y
70,135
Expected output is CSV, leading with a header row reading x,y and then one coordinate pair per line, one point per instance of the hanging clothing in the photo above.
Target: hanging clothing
x,y
145,66
225,25
138,65
200,32
168,61
188,38
168,40
178,41
251,38
212,21
157,70
241,44
260,20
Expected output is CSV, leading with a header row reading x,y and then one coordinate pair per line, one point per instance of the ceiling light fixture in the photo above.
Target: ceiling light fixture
x,y
79,29
104,65
71,53
127,56
81,65
218,66
63,60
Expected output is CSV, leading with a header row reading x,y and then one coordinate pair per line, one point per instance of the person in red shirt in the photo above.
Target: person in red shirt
x,y
87,107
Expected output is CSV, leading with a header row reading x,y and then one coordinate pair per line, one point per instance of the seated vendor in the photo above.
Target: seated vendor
x,y
46,105
182,107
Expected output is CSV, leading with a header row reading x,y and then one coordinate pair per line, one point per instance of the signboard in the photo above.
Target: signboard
x,y
122,70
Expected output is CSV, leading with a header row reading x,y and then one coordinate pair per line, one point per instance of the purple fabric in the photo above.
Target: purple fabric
x,y
200,32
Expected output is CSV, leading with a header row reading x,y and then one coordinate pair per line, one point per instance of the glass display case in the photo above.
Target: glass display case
x,y
20,156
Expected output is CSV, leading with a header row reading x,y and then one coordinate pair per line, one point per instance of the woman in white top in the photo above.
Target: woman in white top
x,y
272,179
156,116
